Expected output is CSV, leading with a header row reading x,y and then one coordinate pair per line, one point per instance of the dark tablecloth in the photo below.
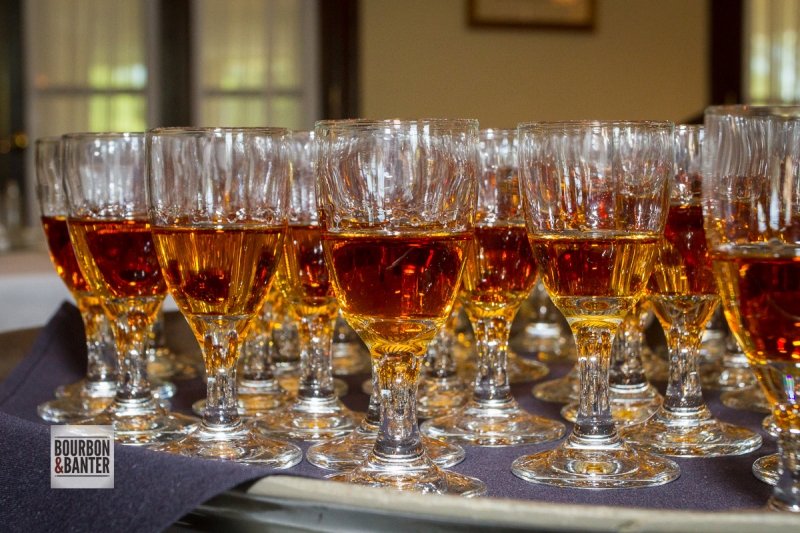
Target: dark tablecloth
x,y
152,490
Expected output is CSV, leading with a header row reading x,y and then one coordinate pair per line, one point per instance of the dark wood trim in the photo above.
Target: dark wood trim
x,y
727,33
475,22
175,57
339,58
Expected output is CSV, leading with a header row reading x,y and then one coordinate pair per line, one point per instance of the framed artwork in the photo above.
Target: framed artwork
x,y
575,15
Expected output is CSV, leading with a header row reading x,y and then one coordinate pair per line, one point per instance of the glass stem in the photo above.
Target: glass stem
x,y
683,391
257,353
132,329
594,340
316,379
373,418
100,367
439,362
786,495
626,356
398,434
491,384
221,352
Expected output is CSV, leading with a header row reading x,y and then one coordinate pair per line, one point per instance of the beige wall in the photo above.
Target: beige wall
x,y
646,59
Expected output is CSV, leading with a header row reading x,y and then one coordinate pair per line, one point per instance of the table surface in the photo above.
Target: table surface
x,y
284,503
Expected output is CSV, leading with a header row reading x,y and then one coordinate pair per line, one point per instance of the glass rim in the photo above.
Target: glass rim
x,y
689,127
208,131
745,110
102,135
47,140
497,131
363,123
582,125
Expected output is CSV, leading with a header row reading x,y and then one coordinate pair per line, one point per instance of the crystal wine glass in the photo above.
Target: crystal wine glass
x,y
95,391
218,205
684,296
595,197
752,221
499,276
104,174
397,201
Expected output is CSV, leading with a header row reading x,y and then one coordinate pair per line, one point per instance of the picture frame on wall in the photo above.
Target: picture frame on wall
x,y
570,15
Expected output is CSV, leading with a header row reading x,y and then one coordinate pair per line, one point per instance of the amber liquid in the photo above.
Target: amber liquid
x,y
396,291
595,278
118,257
500,271
62,254
683,266
304,279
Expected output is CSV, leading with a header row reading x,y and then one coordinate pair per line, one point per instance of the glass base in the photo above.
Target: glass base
x,y
522,370
345,453
562,390
161,389
254,398
234,444
776,505
727,378
493,424
285,369
309,420
142,422
629,405
166,364
766,469
750,398
440,397
292,383
349,358
692,434
417,474
770,425
655,368
580,463
72,409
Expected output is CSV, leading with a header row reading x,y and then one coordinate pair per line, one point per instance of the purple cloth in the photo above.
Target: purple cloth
x,y
152,490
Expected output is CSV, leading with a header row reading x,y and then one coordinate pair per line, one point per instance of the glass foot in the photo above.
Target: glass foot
x,y
770,425
695,434
142,422
750,398
493,424
309,420
727,378
254,398
440,397
345,453
161,389
166,364
417,475
579,463
629,406
766,469
72,409
292,383
237,444
522,370
655,368
349,358
562,390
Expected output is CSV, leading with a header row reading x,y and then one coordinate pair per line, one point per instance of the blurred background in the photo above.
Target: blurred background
x,y
114,65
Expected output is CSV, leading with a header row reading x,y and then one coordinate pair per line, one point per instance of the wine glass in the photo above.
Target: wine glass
x,y
499,276
316,413
396,201
104,177
218,204
684,296
96,390
752,221
595,197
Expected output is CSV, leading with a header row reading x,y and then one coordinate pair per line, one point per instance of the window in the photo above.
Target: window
x,y
772,70
255,63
